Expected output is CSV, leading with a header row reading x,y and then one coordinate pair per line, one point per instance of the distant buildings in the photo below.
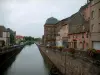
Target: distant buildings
x,y
19,38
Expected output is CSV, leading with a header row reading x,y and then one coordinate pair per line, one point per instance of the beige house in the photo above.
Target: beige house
x,y
62,33
95,24
4,36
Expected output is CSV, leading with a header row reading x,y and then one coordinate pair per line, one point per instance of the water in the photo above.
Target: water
x,y
28,62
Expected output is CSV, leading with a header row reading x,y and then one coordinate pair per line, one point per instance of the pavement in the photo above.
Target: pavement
x,y
56,57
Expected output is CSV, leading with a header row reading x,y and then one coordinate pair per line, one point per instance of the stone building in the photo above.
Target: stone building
x,y
95,24
50,31
78,32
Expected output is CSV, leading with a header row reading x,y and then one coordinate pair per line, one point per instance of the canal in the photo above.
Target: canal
x,y
28,62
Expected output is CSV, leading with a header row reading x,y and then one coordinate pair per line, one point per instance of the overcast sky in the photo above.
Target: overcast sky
x,y
27,17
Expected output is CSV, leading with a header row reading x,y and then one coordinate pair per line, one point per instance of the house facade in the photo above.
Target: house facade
x,y
62,33
95,24
4,36
78,36
50,32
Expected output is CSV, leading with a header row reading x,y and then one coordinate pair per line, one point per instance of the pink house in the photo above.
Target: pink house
x,y
78,36
79,40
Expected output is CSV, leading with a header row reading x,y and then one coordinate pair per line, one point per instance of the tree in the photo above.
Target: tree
x,y
12,38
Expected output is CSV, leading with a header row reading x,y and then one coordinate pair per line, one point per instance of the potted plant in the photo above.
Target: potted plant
x,y
60,48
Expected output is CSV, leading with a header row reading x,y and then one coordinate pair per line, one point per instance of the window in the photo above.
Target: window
x,y
69,36
86,35
99,12
73,36
99,27
82,35
92,14
76,36
92,26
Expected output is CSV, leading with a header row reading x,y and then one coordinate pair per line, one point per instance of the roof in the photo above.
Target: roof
x,y
84,7
11,31
51,21
2,29
19,37
78,24
77,19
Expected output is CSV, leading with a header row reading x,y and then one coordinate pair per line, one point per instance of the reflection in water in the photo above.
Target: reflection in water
x,y
5,63
28,62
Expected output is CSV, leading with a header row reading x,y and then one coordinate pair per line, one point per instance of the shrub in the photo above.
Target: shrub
x,y
91,52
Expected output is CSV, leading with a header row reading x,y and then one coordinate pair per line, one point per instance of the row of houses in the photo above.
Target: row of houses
x,y
80,31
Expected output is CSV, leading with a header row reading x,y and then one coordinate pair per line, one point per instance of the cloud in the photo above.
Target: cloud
x,y
27,17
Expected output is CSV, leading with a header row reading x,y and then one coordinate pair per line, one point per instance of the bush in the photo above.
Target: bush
x,y
91,52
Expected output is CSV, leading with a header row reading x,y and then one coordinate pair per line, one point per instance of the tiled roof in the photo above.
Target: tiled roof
x,y
78,24
2,29
84,7
19,36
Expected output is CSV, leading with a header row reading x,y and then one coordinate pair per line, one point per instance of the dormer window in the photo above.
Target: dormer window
x,y
92,15
99,12
92,26
82,35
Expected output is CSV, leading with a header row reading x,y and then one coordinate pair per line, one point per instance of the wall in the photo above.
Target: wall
x,y
63,33
86,12
80,64
95,22
49,34
79,39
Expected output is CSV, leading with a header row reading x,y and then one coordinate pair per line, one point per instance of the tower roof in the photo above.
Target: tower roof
x,y
51,20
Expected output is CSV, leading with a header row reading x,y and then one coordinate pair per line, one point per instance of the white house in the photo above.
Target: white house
x,y
4,36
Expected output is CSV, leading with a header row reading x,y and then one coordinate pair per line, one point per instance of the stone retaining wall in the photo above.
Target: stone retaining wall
x,y
74,65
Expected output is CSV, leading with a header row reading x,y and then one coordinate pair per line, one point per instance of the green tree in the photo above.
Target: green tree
x,y
12,38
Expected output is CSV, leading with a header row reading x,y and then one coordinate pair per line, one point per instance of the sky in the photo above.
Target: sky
x,y
27,17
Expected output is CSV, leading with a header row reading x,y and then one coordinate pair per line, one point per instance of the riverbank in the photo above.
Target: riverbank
x,y
69,65
7,53
4,50
51,59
